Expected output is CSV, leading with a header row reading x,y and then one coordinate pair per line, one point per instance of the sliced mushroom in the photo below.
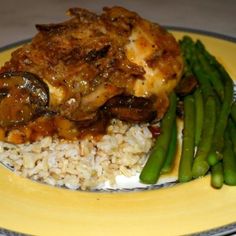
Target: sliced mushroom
x,y
186,85
23,96
131,108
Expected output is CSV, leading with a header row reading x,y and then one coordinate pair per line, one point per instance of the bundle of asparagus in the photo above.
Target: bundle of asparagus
x,y
209,134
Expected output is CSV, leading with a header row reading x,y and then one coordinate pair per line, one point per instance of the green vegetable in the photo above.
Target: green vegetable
x,y
202,76
233,111
199,110
217,176
191,55
200,164
229,161
212,67
212,74
213,61
187,67
216,88
151,171
232,133
218,142
186,160
171,151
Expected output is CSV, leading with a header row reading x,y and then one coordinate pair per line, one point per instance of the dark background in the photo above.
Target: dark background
x,y
18,17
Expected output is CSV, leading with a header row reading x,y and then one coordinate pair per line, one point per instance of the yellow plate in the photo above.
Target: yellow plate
x,y
38,209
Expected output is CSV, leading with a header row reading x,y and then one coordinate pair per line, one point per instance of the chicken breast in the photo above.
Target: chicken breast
x,y
90,59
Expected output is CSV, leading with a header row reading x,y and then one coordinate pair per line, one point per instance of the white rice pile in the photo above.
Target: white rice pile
x,y
84,164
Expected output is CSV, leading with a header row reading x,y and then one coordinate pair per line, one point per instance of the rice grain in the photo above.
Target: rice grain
x,y
83,164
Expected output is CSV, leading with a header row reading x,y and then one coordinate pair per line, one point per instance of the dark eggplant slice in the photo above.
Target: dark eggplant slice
x,y
131,108
133,114
129,101
186,86
23,96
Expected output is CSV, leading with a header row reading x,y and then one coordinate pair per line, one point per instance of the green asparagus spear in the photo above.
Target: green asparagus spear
x,y
185,166
204,65
212,74
200,164
188,81
151,171
187,68
199,111
186,44
217,176
213,61
229,161
191,55
232,133
201,75
218,142
171,151
233,111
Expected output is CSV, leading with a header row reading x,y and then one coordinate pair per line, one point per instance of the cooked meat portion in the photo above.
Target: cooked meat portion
x,y
89,59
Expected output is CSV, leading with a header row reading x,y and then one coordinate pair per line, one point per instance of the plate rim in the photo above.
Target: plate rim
x,y
231,227
202,32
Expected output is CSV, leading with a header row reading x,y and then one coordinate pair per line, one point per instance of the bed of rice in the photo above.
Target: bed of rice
x,y
84,164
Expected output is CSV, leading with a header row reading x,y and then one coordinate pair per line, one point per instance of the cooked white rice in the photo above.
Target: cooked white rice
x,y
83,164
